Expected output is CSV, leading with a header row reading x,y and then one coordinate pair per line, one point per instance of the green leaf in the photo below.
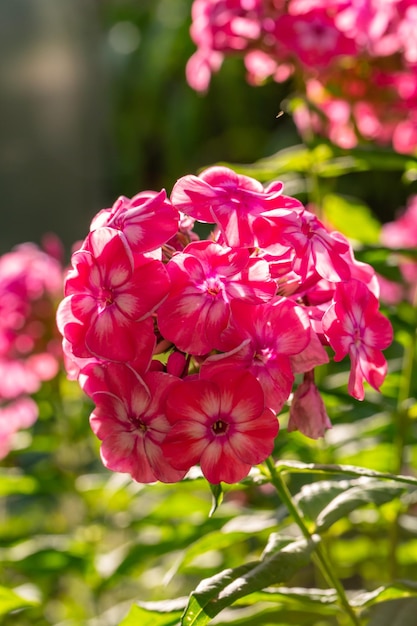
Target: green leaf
x,y
218,592
139,616
398,589
326,161
217,498
314,497
399,612
369,491
298,595
352,217
11,484
349,470
11,601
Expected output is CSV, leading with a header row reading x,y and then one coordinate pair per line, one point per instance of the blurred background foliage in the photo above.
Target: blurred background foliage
x,y
94,104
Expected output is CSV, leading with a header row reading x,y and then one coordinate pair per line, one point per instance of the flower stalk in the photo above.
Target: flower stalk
x,y
319,555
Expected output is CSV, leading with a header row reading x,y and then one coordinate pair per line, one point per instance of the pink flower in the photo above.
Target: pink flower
x,y
14,416
238,204
220,423
261,339
313,38
129,419
110,293
316,249
402,233
30,284
307,411
205,278
353,325
148,220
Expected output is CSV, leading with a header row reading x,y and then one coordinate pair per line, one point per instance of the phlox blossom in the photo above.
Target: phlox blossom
x,y
312,38
129,419
307,411
205,278
238,204
110,293
30,284
148,220
221,423
354,326
261,339
315,248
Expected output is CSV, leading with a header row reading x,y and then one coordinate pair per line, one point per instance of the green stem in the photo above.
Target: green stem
x,y
320,556
402,423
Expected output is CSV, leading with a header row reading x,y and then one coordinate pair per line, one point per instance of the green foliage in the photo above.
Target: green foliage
x,y
324,536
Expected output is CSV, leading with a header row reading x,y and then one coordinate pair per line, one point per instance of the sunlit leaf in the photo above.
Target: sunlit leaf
x,y
139,616
394,590
399,612
11,601
349,470
352,217
314,497
17,484
214,594
368,492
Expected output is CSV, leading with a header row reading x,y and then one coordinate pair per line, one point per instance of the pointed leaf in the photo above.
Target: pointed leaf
x,y
216,593
370,491
217,497
314,497
400,612
11,601
139,616
398,589
360,225
349,470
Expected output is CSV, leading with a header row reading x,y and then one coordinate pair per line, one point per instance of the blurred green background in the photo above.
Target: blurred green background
x,y
94,104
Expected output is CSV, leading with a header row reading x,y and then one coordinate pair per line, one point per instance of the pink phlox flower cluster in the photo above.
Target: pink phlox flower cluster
x,y
357,60
30,352
189,348
401,234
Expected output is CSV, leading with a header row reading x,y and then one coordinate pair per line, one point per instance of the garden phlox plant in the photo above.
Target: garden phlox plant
x,y
30,349
189,348
353,63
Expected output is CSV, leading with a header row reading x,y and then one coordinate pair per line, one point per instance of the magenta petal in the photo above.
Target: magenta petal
x,y
185,443
110,336
112,254
125,453
159,464
194,196
220,464
192,400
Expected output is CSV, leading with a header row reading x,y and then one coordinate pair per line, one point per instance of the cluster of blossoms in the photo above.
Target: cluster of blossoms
x,y
30,350
189,348
401,234
355,62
